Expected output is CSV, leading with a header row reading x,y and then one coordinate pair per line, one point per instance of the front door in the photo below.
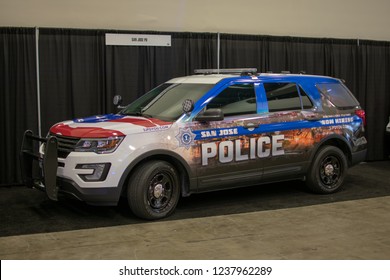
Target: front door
x,y
226,152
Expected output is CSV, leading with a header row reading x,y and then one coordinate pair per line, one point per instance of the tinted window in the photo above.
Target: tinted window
x,y
282,96
236,100
338,94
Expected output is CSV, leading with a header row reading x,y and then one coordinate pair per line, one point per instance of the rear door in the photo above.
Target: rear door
x,y
292,119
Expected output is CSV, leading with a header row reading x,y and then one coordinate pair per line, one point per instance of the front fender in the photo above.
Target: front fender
x,y
189,182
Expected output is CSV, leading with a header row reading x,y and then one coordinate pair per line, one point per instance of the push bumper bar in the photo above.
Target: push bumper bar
x,y
45,165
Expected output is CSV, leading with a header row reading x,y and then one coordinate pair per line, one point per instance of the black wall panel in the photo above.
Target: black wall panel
x,y
18,97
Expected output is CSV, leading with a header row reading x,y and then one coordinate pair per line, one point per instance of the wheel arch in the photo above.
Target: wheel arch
x,y
187,181
336,141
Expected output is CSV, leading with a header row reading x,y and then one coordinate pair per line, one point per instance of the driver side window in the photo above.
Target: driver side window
x,y
238,99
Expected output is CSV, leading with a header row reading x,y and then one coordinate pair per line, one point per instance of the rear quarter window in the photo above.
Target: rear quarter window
x,y
338,94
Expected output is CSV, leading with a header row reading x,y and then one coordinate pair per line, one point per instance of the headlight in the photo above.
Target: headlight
x,y
99,145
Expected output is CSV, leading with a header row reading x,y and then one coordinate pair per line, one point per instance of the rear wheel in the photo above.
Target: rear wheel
x,y
154,190
328,170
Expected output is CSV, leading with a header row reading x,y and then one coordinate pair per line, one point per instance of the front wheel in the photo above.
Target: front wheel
x,y
328,170
154,190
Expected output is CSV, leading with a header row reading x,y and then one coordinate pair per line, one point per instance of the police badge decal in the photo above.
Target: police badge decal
x,y
185,138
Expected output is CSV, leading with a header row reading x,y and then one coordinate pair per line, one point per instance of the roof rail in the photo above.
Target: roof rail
x,y
301,72
241,71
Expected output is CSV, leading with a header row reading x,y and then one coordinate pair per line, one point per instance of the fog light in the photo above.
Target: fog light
x,y
93,172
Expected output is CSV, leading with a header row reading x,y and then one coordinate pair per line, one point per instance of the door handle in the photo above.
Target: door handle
x,y
312,117
251,125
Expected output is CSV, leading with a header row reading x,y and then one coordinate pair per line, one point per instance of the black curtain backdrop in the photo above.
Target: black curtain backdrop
x,y
18,95
72,74
336,58
134,70
364,65
373,91
79,75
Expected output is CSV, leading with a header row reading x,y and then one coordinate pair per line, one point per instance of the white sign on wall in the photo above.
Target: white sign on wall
x,y
113,39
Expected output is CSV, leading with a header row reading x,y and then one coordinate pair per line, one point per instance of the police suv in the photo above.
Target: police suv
x,y
213,130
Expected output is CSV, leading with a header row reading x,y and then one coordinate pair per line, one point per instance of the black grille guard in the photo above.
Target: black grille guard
x,y
47,164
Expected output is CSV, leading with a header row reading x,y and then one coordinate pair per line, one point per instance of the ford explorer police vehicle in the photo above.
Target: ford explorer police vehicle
x,y
213,130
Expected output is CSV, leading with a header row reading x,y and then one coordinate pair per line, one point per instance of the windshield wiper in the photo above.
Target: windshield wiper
x,y
132,114
138,114
146,115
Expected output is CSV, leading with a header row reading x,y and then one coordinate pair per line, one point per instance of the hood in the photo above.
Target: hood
x,y
111,125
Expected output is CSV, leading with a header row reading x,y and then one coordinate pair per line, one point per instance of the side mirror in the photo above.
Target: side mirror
x,y
210,115
117,100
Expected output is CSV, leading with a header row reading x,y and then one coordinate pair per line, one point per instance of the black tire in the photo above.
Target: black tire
x,y
153,190
328,170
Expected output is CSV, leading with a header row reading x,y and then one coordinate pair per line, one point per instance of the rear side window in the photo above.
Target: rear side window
x,y
338,94
286,97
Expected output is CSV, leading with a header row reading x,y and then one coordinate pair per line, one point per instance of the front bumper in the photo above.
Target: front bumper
x,y
93,196
44,175
39,171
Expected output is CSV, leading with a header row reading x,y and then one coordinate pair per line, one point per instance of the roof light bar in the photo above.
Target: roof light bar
x,y
241,71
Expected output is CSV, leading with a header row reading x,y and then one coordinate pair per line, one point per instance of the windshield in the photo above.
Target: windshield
x,y
165,101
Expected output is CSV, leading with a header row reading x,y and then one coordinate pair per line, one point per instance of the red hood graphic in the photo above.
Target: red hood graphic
x,y
97,127
87,132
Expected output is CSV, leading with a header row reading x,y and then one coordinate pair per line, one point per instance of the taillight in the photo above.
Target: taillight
x,y
361,114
